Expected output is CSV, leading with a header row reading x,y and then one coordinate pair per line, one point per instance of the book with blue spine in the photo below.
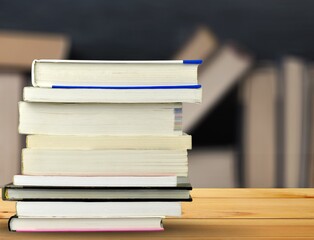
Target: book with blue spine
x,y
74,81
115,74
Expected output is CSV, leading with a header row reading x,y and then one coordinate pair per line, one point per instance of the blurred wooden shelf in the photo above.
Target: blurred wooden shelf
x,y
243,213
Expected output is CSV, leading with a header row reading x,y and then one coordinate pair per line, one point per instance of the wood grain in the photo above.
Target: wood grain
x,y
214,214
249,208
253,193
193,229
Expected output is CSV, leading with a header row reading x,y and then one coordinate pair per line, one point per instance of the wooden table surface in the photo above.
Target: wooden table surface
x,y
243,213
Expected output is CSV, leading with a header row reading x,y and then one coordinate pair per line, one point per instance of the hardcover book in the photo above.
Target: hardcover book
x,y
115,74
69,209
179,192
130,224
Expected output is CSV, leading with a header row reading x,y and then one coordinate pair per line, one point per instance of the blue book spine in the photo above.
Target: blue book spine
x,y
197,61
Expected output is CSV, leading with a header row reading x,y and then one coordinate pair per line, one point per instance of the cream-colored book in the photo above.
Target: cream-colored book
x,y
104,162
90,73
108,142
61,95
100,119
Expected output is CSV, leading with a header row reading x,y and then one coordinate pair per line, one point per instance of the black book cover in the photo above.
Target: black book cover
x,y
180,186
9,223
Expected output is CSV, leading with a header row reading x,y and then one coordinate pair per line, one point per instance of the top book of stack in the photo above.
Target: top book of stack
x,y
124,81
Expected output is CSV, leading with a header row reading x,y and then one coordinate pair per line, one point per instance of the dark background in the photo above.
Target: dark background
x,y
142,29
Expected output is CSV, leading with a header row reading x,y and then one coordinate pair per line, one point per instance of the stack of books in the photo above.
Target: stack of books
x,y
105,149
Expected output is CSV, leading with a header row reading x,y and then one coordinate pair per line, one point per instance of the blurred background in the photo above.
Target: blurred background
x,y
254,127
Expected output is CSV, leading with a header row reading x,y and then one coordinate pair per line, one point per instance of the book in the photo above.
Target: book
x,y
156,142
30,45
104,162
180,192
294,126
11,84
115,74
59,209
259,97
100,119
201,44
98,181
217,75
125,224
77,95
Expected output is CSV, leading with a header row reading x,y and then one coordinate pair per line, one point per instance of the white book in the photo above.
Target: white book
x,y
37,94
109,142
98,181
47,209
104,162
19,224
100,119
88,73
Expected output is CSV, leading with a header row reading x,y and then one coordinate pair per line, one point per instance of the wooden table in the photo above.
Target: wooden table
x,y
215,214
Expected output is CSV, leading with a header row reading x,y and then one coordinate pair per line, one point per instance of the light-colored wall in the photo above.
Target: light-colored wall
x,y
11,142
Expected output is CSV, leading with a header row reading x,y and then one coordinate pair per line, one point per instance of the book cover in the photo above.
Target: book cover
x,y
115,74
100,209
18,224
11,192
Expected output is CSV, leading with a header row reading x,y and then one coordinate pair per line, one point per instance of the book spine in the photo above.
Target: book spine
x,y
198,61
9,223
4,194
33,73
